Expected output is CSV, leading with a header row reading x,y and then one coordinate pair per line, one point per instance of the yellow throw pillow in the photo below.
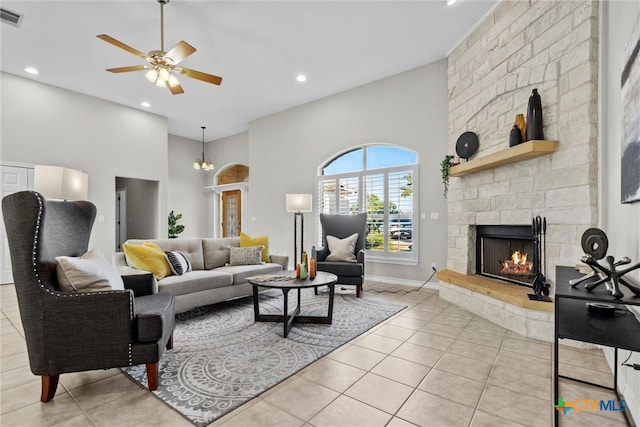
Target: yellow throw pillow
x,y
248,241
148,256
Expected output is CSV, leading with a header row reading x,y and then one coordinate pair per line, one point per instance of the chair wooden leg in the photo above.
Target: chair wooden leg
x,y
152,376
358,290
170,343
49,386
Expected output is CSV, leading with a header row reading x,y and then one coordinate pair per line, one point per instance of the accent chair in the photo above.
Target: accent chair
x,y
78,331
341,227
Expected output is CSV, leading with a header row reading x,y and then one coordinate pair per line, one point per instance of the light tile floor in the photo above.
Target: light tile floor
x,y
433,364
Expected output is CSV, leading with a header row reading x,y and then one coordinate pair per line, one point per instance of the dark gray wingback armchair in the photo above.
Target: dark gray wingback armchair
x,y
341,226
72,332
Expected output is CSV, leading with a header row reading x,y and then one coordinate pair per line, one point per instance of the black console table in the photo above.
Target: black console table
x,y
574,321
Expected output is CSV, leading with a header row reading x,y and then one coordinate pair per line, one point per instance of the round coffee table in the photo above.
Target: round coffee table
x,y
286,281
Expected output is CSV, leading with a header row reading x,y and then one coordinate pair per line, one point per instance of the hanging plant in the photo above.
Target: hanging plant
x,y
174,227
444,170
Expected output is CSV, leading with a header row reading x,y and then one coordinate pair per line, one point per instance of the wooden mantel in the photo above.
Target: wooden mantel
x,y
524,151
513,294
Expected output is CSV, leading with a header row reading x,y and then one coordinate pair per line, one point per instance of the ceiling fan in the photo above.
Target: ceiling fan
x,y
162,64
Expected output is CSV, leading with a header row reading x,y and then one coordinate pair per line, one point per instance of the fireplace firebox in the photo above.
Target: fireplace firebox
x,y
506,252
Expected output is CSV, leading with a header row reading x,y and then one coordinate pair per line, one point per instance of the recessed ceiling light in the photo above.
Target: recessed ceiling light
x,y
145,104
301,78
31,70
451,2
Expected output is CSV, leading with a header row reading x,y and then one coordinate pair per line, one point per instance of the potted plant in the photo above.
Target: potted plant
x,y
444,171
174,227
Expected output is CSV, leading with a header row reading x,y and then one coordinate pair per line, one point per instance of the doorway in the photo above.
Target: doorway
x,y
136,210
230,200
231,213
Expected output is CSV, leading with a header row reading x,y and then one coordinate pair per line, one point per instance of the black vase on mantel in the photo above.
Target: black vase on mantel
x,y
515,137
534,117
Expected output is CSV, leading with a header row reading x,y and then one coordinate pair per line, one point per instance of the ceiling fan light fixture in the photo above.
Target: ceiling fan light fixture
x,y
163,74
152,75
173,82
163,63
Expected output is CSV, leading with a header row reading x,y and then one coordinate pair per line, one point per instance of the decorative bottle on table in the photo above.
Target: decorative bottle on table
x,y
534,117
312,264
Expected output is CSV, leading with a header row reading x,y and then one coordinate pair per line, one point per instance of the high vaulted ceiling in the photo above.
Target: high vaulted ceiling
x,y
258,47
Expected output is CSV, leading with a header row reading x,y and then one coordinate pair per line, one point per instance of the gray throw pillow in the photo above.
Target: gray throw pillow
x,y
342,249
245,256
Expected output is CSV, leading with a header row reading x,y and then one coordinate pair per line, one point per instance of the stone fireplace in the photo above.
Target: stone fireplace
x,y
521,45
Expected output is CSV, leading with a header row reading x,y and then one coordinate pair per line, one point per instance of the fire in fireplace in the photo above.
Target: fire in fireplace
x,y
518,264
506,252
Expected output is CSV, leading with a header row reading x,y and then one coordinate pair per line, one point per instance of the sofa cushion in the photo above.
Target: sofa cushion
x,y
216,251
194,281
89,273
149,257
240,273
341,268
248,241
192,246
245,256
179,262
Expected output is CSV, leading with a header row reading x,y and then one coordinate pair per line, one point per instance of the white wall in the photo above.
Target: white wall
x,y
42,124
620,221
286,149
186,192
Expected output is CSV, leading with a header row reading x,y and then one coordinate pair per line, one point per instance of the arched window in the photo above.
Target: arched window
x,y
380,180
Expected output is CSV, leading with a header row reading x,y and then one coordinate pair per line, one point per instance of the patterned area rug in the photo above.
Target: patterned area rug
x,y
221,358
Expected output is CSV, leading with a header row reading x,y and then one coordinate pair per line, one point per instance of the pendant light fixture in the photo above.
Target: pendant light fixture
x,y
202,164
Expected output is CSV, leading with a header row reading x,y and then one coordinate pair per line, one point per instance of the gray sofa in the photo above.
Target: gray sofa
x,y
211,279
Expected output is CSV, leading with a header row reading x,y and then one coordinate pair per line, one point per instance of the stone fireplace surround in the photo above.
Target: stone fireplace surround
x,y
521,45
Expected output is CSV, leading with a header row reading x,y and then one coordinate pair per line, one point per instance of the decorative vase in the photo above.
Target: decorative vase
x,y
522,125
298,268
534,117
303,271
515,137
312,268
312,263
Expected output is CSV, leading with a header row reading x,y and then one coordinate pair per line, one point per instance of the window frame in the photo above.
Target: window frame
x,y
378,256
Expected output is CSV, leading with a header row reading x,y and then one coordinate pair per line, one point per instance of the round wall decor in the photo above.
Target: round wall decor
x,y
467,145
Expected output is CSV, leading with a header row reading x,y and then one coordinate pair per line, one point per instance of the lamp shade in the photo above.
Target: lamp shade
x,y
299,202
56,182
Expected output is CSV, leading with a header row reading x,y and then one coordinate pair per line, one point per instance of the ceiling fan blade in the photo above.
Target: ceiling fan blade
x,y
121,45
209,78
127,69
176,90
179,52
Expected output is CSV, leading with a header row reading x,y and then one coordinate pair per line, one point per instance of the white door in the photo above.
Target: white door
x,y
14,178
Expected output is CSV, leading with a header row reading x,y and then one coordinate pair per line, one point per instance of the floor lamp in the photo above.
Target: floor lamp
x,y
298,204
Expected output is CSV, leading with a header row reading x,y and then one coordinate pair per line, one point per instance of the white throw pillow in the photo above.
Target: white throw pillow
x,y
89,273
179,262
342,249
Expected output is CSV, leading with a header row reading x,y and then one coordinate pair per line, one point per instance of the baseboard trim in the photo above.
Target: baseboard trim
x,y
402,282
